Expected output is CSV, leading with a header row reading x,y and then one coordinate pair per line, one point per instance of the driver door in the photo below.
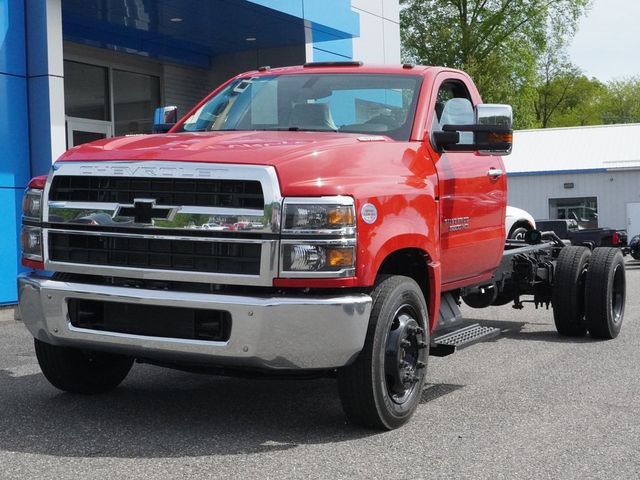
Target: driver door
x,y
472,191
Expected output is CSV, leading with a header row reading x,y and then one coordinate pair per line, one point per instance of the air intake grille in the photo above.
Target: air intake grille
x,y
152,253
150,320
166,191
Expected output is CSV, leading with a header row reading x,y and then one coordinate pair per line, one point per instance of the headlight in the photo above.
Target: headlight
x,y
31,242
309,257
318,237
32,204
319,215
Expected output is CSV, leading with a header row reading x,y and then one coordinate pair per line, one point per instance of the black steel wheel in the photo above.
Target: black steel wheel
x,y
383,386
606,293
568,295
81,371
518,232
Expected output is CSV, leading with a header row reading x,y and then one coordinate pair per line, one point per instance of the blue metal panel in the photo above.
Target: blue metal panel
x,y
12,37
39,108
14,132
333,16
290,7
320,55
200,28
331,45
37,58
9,246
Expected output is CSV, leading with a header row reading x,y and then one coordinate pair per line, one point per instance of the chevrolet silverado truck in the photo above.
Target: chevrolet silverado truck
x,y
372,202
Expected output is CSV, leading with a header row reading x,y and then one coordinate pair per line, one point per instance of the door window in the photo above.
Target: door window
x,y
453,107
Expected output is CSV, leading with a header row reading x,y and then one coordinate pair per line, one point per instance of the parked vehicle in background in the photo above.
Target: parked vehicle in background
x,y
569,229
518,223
634,247
215,227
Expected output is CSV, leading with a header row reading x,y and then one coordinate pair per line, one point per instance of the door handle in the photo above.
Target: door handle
x,y
494,173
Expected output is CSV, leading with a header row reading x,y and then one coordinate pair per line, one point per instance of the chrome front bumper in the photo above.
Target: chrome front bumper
x,y
295,332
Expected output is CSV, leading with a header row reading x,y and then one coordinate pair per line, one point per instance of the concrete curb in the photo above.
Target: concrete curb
x,y
8,313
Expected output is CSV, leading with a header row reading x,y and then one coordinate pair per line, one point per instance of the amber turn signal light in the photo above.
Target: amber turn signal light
x,y
340,257
500,137
340,215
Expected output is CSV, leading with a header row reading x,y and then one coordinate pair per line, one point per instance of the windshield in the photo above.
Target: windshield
x,y
359,103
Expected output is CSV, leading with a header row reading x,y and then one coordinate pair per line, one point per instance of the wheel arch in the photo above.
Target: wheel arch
x,y
520,223
417,264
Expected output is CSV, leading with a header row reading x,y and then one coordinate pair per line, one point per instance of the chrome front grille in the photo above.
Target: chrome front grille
x,y
163,220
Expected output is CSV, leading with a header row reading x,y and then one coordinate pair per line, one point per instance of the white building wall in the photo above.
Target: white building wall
x,y
379,40
613,189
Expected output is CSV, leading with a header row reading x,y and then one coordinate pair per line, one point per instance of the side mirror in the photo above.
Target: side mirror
x,y
164,118
492,132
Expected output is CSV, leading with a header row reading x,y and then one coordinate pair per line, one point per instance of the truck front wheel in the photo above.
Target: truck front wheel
x,y
79,371
383,387
606,290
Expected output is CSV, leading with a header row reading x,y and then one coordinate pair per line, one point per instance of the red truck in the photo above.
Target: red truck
x,y
374,202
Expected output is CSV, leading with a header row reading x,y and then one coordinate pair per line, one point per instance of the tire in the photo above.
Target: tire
x,y
606,292
382,388
518,233
636,254
80,371
568,296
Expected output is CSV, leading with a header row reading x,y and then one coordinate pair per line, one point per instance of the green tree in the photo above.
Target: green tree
x,y
622,102
498,42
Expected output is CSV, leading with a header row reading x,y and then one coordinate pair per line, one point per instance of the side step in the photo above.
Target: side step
x,y
458,339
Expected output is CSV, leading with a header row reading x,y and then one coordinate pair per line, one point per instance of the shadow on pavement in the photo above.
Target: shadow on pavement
x,y
163,413
515,331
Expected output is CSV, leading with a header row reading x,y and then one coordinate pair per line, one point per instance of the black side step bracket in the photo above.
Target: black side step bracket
x,y
458,339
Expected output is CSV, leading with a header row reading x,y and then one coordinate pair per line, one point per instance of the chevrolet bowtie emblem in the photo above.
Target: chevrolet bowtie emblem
x,y
144,211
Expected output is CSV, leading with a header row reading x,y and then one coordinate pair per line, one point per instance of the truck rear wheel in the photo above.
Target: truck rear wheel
x,y
569,291
606,288
79,371
383,387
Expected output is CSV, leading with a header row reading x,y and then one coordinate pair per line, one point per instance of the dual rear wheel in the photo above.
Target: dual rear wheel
x,y
589,292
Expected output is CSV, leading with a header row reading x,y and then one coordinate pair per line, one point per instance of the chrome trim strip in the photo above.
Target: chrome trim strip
x,y
157,237
112,207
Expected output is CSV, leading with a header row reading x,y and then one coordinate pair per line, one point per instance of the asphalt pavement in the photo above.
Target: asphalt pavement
x,y
527,404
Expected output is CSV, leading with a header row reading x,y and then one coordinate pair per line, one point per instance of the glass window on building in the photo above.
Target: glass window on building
x,y
135,97
102,101
86,89
584,210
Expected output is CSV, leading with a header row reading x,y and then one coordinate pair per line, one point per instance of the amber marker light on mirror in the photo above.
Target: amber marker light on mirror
x,y
501,138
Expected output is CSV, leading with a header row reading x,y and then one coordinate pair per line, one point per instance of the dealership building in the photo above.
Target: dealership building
x,y
588,174
73,71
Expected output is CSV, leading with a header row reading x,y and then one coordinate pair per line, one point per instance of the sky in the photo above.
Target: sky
x,y
607,44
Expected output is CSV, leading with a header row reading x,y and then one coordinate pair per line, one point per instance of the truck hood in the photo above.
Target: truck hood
x,y
302,159
255,147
